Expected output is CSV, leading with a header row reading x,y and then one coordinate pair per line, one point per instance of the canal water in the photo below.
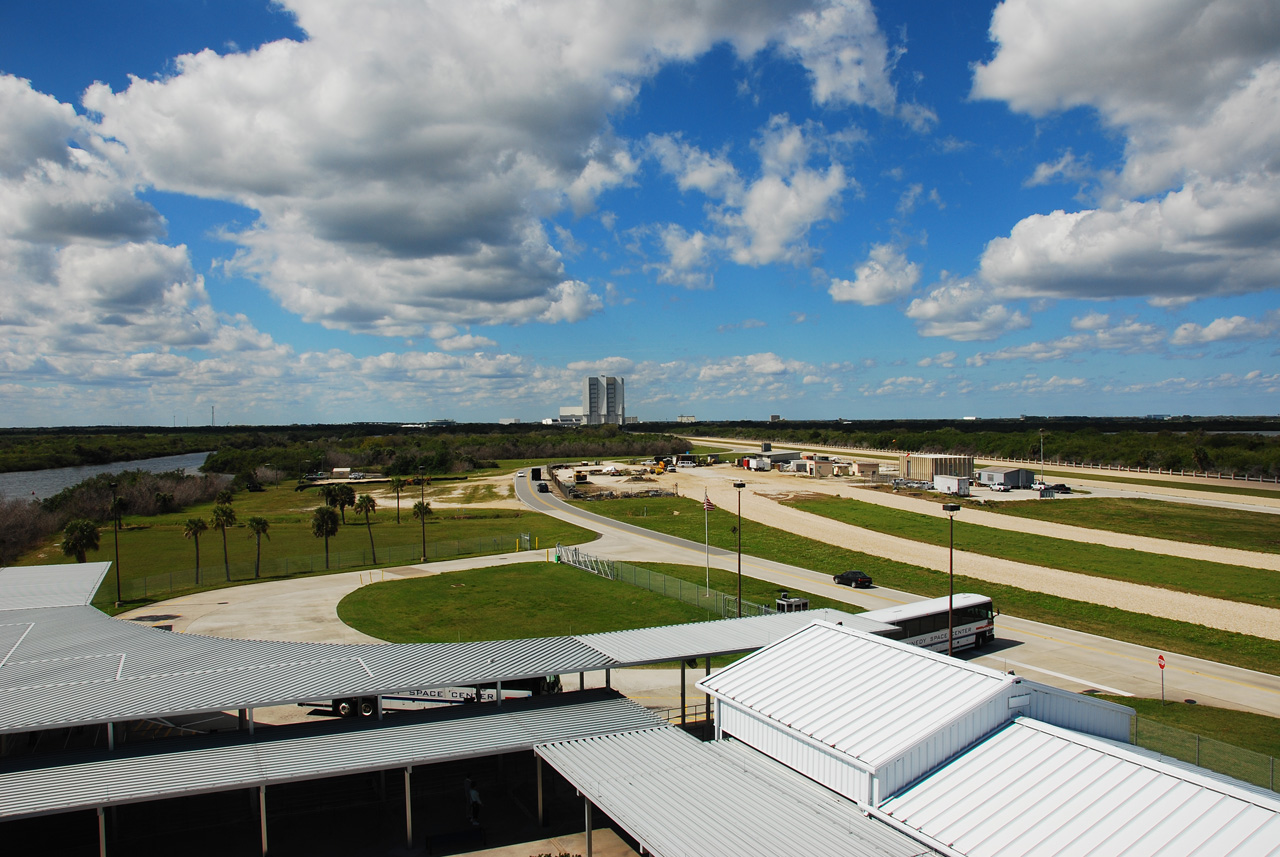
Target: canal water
x,y
41,484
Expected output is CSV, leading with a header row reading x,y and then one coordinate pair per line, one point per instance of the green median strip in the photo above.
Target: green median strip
x,y
660,515
1157,519
1216,580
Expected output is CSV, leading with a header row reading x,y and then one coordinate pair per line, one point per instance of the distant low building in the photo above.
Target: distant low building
x,y
1008,477
925,466
687,418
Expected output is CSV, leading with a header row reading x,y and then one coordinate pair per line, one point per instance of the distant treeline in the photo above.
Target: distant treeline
x,y
1218,445
296,450
437,451
25,524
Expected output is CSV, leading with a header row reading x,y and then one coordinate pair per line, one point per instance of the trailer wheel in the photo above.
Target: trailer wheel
x,y
344,707
366,707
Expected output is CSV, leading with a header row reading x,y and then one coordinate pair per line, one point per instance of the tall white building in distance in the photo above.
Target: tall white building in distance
x,y
603,400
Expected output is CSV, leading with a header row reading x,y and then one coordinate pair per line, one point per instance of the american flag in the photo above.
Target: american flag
x,y
706,503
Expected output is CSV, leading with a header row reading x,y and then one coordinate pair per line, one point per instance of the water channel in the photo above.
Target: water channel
x,y
41,484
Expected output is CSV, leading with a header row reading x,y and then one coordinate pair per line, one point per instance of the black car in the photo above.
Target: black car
x,y
853,577
544,488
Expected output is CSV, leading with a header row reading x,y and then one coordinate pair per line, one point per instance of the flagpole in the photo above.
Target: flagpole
x,y
706,530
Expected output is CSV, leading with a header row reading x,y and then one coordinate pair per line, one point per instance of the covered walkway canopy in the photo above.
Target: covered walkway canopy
x,y
678,796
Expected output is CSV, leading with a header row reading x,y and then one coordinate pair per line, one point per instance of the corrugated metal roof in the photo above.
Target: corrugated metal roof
x,y
862,695
48,784
74,665
724,636
34,586
1034,789
678,796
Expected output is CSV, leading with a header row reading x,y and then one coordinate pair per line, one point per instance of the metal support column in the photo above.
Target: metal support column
x,y
683,706
250,719
408,808
111,736
499,694
608,680
262,816
542,813
587,802
582,681
102,833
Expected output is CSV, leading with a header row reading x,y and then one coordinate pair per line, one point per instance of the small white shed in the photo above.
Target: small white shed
x,y
957,485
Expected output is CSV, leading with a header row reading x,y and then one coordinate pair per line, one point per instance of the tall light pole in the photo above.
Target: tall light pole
x,y
115,528
739,486
951,509
422,520
1041,455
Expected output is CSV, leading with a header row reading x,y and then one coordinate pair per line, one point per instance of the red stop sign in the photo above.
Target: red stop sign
x,y
1160,661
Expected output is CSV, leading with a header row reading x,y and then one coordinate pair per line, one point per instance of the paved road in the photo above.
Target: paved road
x,y
1057,656
305,609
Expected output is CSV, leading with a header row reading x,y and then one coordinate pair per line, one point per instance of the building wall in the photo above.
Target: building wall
x,y
1015,477
604,400
925,467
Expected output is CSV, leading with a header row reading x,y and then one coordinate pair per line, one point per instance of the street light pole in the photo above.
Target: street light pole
x,y
1042,455
739,486
951,509
422,512
115,527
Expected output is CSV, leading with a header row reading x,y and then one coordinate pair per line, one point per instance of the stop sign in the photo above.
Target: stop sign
x,y
1160,661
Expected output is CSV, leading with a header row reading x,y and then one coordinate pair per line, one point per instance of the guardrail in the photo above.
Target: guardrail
x,y
672,587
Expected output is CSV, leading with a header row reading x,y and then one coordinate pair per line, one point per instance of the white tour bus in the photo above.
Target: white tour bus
x,y
924,623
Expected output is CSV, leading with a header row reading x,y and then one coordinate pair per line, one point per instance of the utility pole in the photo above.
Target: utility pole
x,y
739,486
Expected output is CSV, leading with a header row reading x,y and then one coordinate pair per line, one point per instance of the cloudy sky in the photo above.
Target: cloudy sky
x,y
330,210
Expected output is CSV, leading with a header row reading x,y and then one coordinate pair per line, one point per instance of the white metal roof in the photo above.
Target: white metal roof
x,y
1035,789
34,586
680,797
45,784
862,695
69,665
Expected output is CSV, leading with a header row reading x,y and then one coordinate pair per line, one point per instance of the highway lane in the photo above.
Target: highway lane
x,y
1064,658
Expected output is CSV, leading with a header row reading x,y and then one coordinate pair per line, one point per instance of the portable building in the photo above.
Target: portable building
x,y
1009,477
957,485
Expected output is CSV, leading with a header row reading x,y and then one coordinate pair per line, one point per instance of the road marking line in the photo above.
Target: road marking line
x,y
1110,690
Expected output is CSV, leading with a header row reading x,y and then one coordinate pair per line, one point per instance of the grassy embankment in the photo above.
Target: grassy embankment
x,y
759,540
1216,580
1180,522
156,545
535,599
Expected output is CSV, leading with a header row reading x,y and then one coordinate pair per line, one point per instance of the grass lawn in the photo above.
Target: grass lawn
x,y
1240,728
753,590
535,599
1217,580
1241,650
1183,522
156,545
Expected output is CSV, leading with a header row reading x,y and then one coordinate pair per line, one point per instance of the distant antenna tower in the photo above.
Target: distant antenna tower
x,y
212,420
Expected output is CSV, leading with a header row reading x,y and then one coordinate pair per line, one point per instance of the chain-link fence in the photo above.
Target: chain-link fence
x,y
1236,762
672,587
212,573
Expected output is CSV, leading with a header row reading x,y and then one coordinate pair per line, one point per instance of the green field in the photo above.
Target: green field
x,y
1217,580
1241,650
1158,519
535,599
156,545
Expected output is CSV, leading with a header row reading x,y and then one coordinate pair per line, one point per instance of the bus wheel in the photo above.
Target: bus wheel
x,y
344,707
366,707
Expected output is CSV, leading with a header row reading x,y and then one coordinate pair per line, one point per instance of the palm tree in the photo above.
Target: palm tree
x,y
257,529
346,497
224,516
421,510
365,506
194,527
324,523
79,536
396,484
224,497
329,494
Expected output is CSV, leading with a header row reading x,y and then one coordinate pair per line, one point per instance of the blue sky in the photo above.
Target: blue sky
x,y
322,210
